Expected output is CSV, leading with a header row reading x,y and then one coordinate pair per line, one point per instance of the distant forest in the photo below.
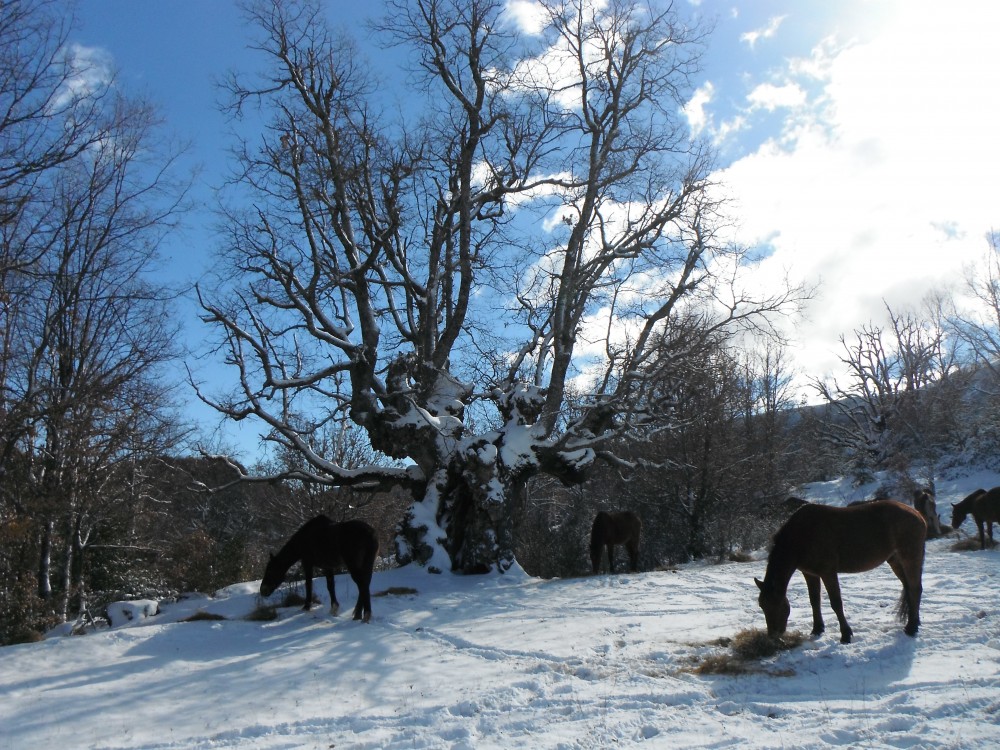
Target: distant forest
x,y
713,487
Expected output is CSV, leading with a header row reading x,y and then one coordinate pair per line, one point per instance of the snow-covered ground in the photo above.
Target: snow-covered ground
x,y
516,662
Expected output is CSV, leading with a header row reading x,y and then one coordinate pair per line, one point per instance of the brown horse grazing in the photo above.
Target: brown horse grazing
x,y
609,529
985,509
823,541
329,546
923,501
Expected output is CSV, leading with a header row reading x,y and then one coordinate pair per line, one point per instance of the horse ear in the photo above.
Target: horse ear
x,y
760,583
954,505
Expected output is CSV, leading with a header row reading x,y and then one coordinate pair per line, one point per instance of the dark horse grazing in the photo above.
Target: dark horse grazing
x,y
985,509
823,541
622,527
329,546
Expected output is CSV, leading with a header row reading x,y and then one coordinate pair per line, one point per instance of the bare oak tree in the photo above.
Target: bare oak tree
x,y
535,216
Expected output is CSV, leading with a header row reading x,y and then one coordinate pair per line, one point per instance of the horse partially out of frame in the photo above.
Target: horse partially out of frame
x,y
321,543
984,506
822,541
609,529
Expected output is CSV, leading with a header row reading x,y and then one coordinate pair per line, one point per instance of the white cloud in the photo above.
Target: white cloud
x,y
529,16
771,97
882,183
92,71
752,37
694,110
730,128
899,144
556,68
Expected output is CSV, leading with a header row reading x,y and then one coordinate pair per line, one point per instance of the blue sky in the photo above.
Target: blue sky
x,y
856,138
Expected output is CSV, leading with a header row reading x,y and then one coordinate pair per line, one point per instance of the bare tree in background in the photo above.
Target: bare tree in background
x,y
900,397
711,485
978,328
51,112
50,102
536,215
88,193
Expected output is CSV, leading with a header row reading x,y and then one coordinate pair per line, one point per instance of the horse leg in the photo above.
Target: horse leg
x,y
909,601
334,604
633,555
815,597
307,570
982,534
611,557
832,584
363,608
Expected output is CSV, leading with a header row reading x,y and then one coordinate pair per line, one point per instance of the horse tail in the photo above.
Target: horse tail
x,y
903,605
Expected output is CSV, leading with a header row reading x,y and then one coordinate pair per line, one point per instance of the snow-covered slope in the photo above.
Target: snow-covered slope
x,y
517,662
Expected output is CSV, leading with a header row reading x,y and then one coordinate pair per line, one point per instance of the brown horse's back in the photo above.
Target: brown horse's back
x,y
349,544
615,527
822,538
986,507
822,541
609,529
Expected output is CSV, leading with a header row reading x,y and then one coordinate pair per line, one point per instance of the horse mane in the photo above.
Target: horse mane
x,y
291,551
964,507
793,503
966,504
778,556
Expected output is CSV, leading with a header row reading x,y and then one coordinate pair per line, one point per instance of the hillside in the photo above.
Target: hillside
x,y
501,662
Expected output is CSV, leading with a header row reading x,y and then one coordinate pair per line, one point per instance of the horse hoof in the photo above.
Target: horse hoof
x,y
845,639
334,611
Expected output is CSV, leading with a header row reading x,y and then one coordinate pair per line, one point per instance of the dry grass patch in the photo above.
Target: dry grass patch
x,y
971,544
721,664
293,598
201,616
263,613
745,649
27,636
396,591
757,644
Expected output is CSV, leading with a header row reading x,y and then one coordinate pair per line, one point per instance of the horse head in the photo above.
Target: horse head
x,y
776,607
958,515
960,510
273,577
